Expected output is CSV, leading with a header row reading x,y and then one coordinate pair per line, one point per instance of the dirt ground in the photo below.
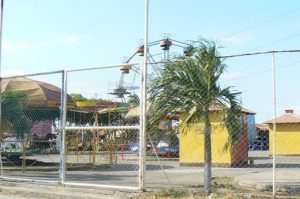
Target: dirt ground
x,y
220,194
222,188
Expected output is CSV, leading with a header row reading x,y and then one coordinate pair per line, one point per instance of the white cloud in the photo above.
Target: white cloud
x,y
67,40
15,47
238,40
7,73
226,39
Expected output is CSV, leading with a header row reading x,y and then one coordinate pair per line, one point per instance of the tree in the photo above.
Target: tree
x,y
77,97
13,113
133,100
191,85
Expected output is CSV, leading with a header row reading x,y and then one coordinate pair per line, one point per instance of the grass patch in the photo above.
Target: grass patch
x,y
222,188
173,193
223,182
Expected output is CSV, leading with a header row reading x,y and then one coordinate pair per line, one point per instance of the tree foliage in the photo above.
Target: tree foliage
x,y
190,85
77,97
133,100
13,113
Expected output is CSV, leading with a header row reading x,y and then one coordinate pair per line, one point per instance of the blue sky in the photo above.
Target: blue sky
x,y
43,35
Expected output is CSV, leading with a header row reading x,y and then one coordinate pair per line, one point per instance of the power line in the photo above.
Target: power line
x,y
263,71
277,41
263,22
260,53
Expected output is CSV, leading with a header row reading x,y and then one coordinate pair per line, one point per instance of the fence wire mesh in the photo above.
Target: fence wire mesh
x,y
102,129
30,126
247,160
102,137
286,138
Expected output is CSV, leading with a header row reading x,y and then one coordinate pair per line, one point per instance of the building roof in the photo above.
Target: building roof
x,y
262,127
288,118
37,92
243,110
218,108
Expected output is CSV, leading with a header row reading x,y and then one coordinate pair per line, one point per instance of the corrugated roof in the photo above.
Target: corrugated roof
x,y
287,118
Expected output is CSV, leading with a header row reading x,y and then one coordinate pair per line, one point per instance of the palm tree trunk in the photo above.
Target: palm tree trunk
x,y
207,152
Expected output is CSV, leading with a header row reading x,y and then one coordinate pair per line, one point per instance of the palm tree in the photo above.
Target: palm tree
x,y
191,85
13,113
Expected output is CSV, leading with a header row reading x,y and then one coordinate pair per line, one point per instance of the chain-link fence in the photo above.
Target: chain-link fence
x,y
91,136
102,136
30,126
265,87
78,127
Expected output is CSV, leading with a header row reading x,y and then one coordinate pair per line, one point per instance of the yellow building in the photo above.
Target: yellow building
x,y
287,134
192,143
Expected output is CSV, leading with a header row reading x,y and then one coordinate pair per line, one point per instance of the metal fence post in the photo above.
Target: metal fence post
x,y
143,104
1,22
142,138
63,114
274,124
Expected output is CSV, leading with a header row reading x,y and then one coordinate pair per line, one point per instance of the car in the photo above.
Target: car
x,y
168,151
163,151
134,147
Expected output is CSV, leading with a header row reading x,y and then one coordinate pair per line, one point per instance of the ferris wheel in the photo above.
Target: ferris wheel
x,y
122,89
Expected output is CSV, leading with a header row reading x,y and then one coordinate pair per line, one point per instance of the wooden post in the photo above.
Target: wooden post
x,y
94,155
24,156
110,152
122,151
77,142
66,156
94,141
115,147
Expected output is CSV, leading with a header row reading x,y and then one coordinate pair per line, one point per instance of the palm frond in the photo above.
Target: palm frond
x,y
191,84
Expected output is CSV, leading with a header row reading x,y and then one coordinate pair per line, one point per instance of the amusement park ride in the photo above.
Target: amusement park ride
x,y
124,92
121,91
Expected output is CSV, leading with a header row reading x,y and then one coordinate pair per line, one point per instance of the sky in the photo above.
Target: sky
x,y
51,35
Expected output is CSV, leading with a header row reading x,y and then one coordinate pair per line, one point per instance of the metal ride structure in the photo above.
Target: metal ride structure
x,y
65,174
122,90
154,70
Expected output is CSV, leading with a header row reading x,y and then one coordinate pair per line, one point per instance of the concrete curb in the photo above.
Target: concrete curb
x,y
262,181
33,190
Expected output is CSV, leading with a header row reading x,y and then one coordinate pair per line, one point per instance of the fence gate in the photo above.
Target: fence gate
x,y
102,134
